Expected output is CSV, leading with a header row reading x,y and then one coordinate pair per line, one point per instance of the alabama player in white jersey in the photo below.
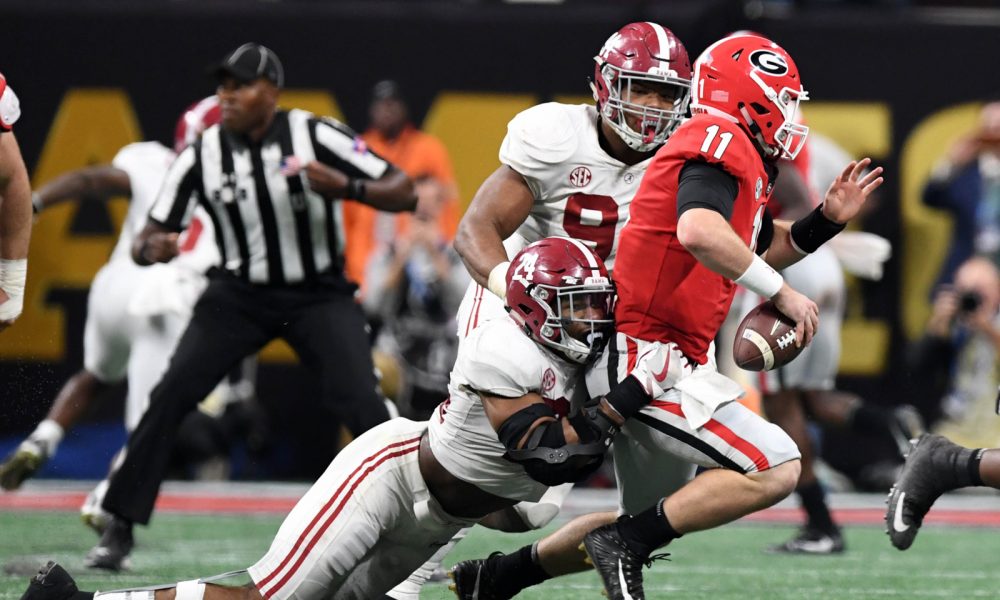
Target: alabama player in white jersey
x,y
135,315
15,211
571,170
513,425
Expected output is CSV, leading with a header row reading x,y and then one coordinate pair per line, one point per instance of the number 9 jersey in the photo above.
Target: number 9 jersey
x,y
580,191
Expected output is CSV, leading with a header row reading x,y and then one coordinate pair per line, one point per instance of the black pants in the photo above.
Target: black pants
x,y
231,320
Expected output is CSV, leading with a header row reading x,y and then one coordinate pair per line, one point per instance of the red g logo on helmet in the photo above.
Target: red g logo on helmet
x,y
752,81
560,294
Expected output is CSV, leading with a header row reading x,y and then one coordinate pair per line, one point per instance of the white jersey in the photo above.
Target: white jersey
x,y
579,190
146,164
499,360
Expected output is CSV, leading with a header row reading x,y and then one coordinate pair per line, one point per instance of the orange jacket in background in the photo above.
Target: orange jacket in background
x,y
418,154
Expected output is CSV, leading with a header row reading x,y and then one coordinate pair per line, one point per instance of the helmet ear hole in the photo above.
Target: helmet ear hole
x,y
760,109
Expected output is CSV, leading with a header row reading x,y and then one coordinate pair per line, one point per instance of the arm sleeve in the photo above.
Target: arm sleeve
x,y
498,364
703,185
337,146
537,140
178,196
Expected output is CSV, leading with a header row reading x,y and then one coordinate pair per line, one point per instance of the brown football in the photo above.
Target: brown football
x,y
765,340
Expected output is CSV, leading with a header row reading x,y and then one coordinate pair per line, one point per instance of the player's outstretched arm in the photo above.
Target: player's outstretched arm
x,y
99,182
843,201
499,207
15,228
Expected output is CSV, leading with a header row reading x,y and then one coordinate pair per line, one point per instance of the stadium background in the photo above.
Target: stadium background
x,y
894,83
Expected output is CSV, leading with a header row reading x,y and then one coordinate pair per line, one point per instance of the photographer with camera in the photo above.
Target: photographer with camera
x,y
953,366
966,183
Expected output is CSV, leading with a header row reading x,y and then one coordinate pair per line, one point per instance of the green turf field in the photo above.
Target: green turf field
x,y
725,564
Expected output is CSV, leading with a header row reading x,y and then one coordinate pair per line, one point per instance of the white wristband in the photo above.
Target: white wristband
x,y
190,590
497,282
13,274
760,278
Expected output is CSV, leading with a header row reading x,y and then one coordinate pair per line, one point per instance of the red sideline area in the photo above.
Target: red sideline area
x,y
208,503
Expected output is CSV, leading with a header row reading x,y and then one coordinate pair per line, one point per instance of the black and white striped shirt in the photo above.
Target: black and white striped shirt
x,y
270,227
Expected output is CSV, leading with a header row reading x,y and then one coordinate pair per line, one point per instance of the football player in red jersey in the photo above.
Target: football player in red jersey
x,y
698,227
15,211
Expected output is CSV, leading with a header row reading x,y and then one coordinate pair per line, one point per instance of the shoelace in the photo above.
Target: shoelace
x,y
655,557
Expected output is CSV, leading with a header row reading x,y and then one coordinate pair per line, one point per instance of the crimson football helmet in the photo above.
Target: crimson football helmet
x,y
548,283
752,81
197,118
647,52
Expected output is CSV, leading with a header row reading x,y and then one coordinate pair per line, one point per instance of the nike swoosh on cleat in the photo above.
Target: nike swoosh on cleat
x,y
622,583
897,519
475,588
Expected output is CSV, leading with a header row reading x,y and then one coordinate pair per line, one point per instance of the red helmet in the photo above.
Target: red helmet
x,y
548,283
752,81
641,51
197,118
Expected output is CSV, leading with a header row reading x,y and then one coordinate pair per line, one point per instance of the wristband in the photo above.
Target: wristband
x,y
36,202
356,189
13,274
760,278
813,230
190,590
497,282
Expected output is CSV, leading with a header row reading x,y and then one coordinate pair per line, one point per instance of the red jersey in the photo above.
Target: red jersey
x,y
664,293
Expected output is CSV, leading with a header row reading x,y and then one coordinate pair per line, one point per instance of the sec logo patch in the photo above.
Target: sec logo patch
x,y
758,188
580,176
548,380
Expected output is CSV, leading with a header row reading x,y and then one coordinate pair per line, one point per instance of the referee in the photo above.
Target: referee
x,y
272,182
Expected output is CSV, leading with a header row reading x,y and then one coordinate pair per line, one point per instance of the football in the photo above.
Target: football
x,y
765,339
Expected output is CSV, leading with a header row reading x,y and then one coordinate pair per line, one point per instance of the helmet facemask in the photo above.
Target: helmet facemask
x,y
561,305
790,136
655,124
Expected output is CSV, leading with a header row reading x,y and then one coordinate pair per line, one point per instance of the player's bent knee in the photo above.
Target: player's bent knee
x,y
783,479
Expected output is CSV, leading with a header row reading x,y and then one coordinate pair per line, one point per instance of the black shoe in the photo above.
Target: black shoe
x,y
620,567
473,580
811,541
906,425
915,491
111,553
51,583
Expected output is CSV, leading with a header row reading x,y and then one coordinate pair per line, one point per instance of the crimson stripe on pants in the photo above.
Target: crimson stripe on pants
x,y
727,435
329,503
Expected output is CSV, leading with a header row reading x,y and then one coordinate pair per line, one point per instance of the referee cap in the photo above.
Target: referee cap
x,y
249,62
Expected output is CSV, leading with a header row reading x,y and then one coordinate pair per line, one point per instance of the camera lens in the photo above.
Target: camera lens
x,y
969,301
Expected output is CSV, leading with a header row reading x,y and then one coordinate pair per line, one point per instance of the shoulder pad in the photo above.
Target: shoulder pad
x,y
498,359
539,137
